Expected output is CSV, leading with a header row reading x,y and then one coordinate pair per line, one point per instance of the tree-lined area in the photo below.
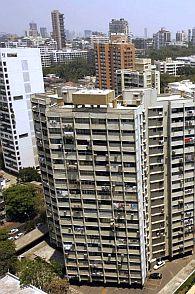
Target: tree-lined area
x,y
170,51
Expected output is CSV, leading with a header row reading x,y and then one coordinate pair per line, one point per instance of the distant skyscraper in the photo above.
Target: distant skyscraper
x,y
119,26
43,32
87,33
58,28
33,32
33,26
145,33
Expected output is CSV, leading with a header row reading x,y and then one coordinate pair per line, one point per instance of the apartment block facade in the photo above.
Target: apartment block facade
x,y
118,177
20,76
108,58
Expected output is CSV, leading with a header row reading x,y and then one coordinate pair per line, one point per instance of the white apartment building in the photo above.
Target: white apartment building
x,y
20,76
169,66
118,177
65,56
144,75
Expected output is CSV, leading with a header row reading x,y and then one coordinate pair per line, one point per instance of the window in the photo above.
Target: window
x,y
27,87
26,77
24,65
18,97
23,135
11,54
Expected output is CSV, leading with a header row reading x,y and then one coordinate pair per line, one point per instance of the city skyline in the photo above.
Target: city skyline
x,y
80,15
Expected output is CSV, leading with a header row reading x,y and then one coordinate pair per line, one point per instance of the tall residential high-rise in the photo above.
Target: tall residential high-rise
x,y
119,26
109,57
162,38
43,32
58,28
21,75
118,177
145,33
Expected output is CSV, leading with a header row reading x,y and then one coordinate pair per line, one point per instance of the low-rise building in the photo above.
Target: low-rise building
x,y
186,87
169,66
188,60
11,284
65,56
144,75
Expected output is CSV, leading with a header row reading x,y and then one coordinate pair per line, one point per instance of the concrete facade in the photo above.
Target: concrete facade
x,y
118,177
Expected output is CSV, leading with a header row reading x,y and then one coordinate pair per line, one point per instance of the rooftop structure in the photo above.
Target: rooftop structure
x,y
185,87
11,284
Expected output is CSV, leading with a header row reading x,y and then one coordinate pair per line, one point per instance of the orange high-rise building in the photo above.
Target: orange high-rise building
x,y
111,57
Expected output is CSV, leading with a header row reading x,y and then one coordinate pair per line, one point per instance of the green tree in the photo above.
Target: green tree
x,y
170,51
186,71
8,258
28,174
42,275
57,286
20,202
73,70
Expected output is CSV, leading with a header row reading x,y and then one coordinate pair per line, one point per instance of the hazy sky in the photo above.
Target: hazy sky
x,y
95,14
